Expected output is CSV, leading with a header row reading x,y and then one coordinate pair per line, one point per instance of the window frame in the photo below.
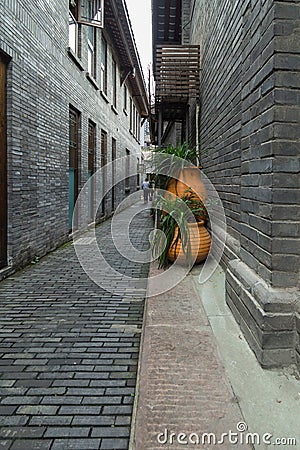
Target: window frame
x,y
125,94
133,118
93,51
130,114
95,7
114,83
73,22
103,65
74,156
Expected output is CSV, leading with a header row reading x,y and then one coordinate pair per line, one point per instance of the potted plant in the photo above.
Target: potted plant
x,y
186,237
180,168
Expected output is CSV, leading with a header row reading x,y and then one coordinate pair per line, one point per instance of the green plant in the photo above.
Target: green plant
x,y
169,161
176,213
183,151
35,260
196,205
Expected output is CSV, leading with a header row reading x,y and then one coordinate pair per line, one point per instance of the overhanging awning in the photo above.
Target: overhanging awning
x,y
177,73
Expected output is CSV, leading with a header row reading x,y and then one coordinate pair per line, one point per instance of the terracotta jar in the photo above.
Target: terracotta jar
x,y
191,179
200,244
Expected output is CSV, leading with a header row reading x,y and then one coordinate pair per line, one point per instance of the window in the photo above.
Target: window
x,y
130,113
103,65
114,82
127,171
89,12
91,147
138,180
139,127
73,34
133,119
91,52
136,123
125,98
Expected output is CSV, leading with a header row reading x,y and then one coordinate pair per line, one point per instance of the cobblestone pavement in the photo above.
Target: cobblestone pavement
x,y
68,351
183,385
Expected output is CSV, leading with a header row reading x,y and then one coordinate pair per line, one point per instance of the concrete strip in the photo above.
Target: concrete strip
x,y
269,399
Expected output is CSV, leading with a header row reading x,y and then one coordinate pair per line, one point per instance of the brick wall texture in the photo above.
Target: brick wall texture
x,y
43,81
249,135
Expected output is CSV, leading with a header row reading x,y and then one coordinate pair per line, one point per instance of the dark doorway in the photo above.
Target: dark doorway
x,y
91,170
104,170
73,161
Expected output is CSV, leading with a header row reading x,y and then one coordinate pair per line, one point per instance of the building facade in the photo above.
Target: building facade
x,y
72,99
245,121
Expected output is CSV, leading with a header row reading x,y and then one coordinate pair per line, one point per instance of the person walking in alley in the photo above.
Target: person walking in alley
x,y
151,189
146,190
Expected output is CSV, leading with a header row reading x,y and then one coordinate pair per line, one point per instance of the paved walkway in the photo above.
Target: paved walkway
x,y
199,379
68,351
183,387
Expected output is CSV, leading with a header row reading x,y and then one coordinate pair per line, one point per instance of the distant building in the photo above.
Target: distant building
x,y
227,80
147,137
72,99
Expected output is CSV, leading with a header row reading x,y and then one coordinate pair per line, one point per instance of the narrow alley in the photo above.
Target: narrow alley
x,y
149,224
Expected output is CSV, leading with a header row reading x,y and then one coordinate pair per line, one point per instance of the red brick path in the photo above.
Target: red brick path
x,y
183,386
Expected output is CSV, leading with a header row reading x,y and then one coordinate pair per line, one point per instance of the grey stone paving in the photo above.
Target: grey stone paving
x,y
69,352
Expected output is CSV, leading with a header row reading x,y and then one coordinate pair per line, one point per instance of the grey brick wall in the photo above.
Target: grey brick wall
x,y
249,131
43,80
